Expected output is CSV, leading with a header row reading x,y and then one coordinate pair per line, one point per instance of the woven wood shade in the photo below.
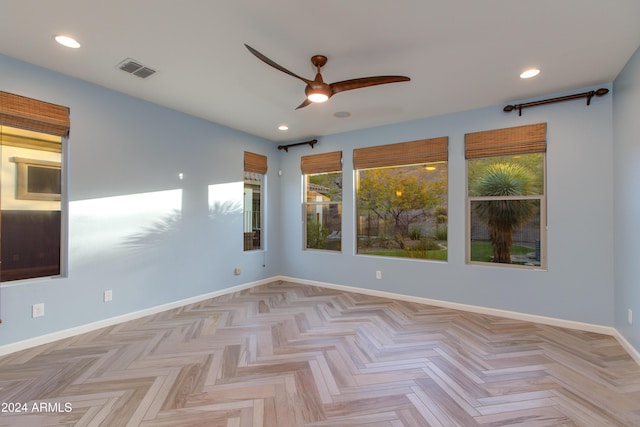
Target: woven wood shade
x,y
255,162
320,163
30,114
506,142
403,153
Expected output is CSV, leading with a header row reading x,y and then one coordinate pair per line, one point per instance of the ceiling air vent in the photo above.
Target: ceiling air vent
x,y
134,67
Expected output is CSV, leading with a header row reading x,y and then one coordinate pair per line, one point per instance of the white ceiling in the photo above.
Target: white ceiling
x,y
460,54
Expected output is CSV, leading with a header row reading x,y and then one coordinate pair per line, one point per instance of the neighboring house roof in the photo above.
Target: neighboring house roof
x,y
318,188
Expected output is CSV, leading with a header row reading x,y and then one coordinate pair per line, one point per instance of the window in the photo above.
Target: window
x,y
323,200
506,202
32,142
255,168
401,199
37,179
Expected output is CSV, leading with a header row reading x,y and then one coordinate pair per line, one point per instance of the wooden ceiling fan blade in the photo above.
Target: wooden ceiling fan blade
x,y
304,103
365,82
273,64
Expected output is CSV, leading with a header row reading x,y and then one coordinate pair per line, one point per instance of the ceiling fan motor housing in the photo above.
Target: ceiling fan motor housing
x,y
318,88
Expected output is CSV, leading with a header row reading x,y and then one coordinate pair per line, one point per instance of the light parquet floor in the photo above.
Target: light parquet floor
x,y
286,354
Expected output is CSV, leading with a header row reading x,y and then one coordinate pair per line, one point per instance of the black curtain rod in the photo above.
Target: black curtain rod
x,y
588,95
286,147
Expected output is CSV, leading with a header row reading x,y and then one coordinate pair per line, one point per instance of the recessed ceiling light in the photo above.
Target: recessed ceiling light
x,y
283,127
67,41
531,72
341,114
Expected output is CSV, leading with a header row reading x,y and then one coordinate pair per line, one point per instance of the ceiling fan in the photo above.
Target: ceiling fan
x,y
319,91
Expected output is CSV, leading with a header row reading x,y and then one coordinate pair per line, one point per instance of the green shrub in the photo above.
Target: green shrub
x,y
441,232
427,244
316,235
415,233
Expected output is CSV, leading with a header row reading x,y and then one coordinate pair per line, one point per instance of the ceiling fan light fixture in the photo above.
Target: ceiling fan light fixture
x,y
317,91
317,97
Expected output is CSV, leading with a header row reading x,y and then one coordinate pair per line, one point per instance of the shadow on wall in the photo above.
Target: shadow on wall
x,y
170,229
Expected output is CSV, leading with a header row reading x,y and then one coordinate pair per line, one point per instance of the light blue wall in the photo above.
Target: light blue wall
x,y
125,155
626,110
578,283
124,152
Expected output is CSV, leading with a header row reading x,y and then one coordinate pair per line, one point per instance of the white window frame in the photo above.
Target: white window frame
x,y
542,198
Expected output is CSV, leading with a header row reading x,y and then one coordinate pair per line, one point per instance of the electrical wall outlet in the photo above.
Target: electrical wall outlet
x,y
108,295
237,271
629,316
378,274
37,310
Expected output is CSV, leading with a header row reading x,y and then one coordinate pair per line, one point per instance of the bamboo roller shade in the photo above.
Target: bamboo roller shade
x,y
256,163
320,163
505,142
30,114
403,153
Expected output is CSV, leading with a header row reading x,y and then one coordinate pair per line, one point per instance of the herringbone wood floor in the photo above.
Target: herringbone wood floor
x,y
286,354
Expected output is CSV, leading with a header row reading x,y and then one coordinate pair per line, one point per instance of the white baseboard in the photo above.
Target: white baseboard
x,y
66,333
635,354
589,327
